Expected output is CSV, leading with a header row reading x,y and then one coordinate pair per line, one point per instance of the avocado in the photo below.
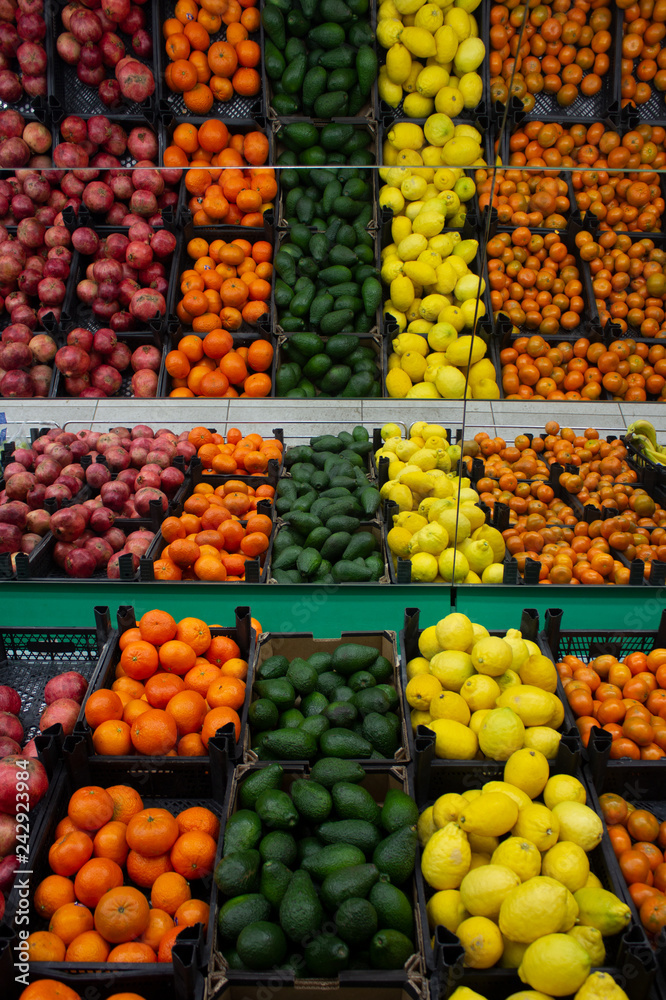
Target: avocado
x,y
399,810
312,800
345,744
274,666
302,675
371,699
327,682
275,878
301,913
276,810
239,911
291,719
348,882
261,945
320,661
356,921
394,909
381,669
356,832
331,770
243,832
238,872
262,715
313,704
395,855
279,846
381,734
360,680
307,847
290,744
341,713
389,949
258,782
316,725
354,802
331,859
349,657
280,691
326,956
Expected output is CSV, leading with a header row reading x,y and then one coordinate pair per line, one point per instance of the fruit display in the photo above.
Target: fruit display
x,y
320,58
327,506
340,701
209,62
432,57
517,868
564,53
326,858
172,685
439,526
628,281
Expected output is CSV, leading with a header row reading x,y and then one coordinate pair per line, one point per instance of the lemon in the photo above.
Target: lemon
x,y
482,942
484,889
398,68
424,567
430,17
540,672
492,656
454,631
438,129
543,738
465,993
417,665
478,860
414,364
389,30
409,248
388,90
406,135
501,734
469,56
391,197
447,909
425,826
579,823
592,882
408,6
456,524
453,740
398,541
476,721
441,335
460,21
471,87
480,691
428,643
517,794
446,858
483,845
533,705
431,79
512,956
520,855
420,42
491,815
539,825
460,152
597,986
592,941
449,705
557,963
418,718
401,495
557,718
450,383
534,908
446,41
398,383
449,101
413,188
421,690
601,909
563,788
566,862
527,769
447,808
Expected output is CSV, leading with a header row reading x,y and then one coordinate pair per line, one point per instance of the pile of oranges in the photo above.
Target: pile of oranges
x,y
524,197
613,181
532,368
638,839
176,685
625,697
628,281
643,56
218,531
106,846
535,281
212,367
564,50
247,455
51,989
204,71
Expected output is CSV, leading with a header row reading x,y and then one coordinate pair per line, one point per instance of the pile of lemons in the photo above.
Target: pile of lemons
x,y
597,986
512,878
434,51
442,543
483,695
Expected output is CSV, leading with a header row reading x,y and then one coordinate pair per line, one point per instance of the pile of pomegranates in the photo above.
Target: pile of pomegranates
x,y
94,365
22,32
23,142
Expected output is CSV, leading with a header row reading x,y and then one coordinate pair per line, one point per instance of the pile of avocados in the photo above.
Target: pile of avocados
x,y
319,56
322,506
315,874
342,367
341,704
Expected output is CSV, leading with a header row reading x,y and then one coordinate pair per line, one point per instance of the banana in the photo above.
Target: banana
x,y
644,428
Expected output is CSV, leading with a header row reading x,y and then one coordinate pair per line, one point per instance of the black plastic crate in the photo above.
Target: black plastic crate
x,y
378,780
303,644
654,109
160,785
482,330
240,338
172,103
69,95
133,340
224,745
380,469
40,567
375,343
128,122
181,981
652,474
614,332
430,770
629,957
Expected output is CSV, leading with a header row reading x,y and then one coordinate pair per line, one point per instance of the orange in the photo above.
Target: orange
x,y
195,633
166,944
183,552
90,807
152,832
43,946
122,914
127,685
95,878
201,676
214,385
130,635
48,989
257,386
110,842
227,691
217,343
112,738
154,733
222,59
186,10
191,746
132,951
88,947
133,709
157,626
126,802
53,892
144,870
164,569
199,818
255,148
199,100
183,75
235,667
161,688
70,920
200,63
194,911
177,657
260,355
213,134
209,568
158,924
249,53
193,854
197,35
221,649
197,437
70,852
139,660
169,891
188,710
103,705
216,719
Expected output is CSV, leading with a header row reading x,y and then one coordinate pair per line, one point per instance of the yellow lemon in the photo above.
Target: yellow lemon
x,y
533,705
484,889
543,738
482,942
538,824
563,788
566,862
491,815
476,720
425,826
520,855
398,383
398,541
602,909
446,858
579,824
421,690
449,705
428,643
480,691
453,741
451,667
501,734
447,808
557,963
540,672
454,631
597,986
528,770
534,908
593,943
424,567
512,956
418,718
417,665
492,656
449,101
447,909
517,794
